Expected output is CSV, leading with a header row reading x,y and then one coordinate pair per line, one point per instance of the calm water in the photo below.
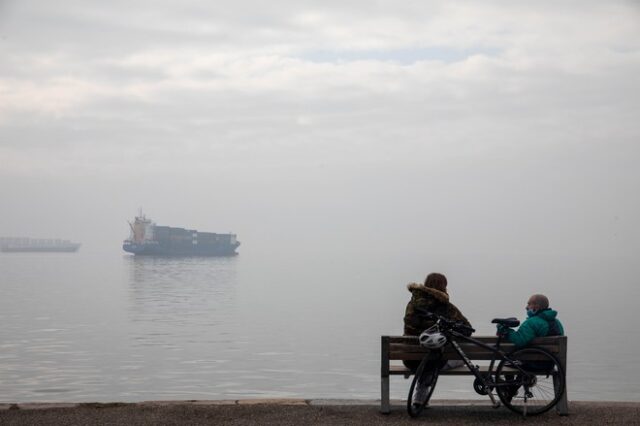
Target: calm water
x,y
97,326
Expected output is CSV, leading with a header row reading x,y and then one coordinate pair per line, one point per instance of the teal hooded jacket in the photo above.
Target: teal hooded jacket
x,y
536,325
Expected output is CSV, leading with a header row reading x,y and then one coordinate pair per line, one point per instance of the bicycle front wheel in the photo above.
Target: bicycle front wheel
x,y
422,386
535,389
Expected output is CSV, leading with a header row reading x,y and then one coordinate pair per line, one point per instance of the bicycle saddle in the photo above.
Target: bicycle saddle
x,y
509,322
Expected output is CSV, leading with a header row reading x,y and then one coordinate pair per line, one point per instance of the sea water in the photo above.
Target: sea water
x,y
101,325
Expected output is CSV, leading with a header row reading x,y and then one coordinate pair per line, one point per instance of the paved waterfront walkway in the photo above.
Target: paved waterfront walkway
x,y
303,412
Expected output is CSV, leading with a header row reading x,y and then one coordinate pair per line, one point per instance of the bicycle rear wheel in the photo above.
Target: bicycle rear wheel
x,y
422,386
536,390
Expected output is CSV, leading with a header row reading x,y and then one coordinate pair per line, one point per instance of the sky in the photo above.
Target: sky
x,y
433,126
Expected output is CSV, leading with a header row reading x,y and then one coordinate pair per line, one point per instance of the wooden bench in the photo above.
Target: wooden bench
x,y
398,348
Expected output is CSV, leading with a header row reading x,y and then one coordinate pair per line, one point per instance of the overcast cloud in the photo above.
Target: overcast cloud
x,y
447,126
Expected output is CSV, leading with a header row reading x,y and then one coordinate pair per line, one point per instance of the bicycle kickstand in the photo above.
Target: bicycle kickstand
x,y
494,402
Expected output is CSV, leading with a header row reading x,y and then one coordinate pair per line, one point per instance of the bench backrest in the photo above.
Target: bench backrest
x,y
407,347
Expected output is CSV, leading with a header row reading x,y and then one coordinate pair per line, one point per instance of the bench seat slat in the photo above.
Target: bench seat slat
x,y
402,356
468,350
450,354
485,339
459,371
480,356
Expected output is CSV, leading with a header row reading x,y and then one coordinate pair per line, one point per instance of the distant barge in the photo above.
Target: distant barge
x,y
17,245
147,238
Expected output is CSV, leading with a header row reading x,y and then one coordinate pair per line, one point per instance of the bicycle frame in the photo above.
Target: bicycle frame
x,y
487,379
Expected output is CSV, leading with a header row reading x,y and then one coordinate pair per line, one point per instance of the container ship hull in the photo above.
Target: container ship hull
x,y
151,240
10,249
168,250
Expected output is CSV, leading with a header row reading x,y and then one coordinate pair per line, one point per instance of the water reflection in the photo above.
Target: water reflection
x,y
185,291
182,316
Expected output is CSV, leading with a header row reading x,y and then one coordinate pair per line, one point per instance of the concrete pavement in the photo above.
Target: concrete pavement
x,y
302,412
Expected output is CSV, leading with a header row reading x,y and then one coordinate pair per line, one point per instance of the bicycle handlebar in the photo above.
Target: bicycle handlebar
x,y
449,324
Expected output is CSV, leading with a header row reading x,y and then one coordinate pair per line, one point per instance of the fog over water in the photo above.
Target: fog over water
x,y
352,148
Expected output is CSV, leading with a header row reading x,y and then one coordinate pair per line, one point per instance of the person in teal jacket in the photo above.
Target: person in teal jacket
x,y
541,321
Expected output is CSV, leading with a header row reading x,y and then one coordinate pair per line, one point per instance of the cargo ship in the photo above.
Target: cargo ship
x,y
147,238
16,245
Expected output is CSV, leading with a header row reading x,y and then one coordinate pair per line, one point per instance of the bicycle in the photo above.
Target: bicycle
x,y
528,381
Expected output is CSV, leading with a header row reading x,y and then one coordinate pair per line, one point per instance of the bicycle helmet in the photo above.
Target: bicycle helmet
x,y
432,339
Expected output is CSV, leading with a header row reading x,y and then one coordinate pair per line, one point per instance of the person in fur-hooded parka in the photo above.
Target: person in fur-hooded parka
x,y
432,297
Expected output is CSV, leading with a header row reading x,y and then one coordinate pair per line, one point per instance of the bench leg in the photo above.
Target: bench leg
x,y
385,405
562,407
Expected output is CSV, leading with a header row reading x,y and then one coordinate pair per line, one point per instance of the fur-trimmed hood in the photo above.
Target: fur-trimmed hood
x,y
428,299
441,296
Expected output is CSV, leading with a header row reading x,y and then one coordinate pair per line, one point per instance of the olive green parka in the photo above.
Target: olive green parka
x,y
432,300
